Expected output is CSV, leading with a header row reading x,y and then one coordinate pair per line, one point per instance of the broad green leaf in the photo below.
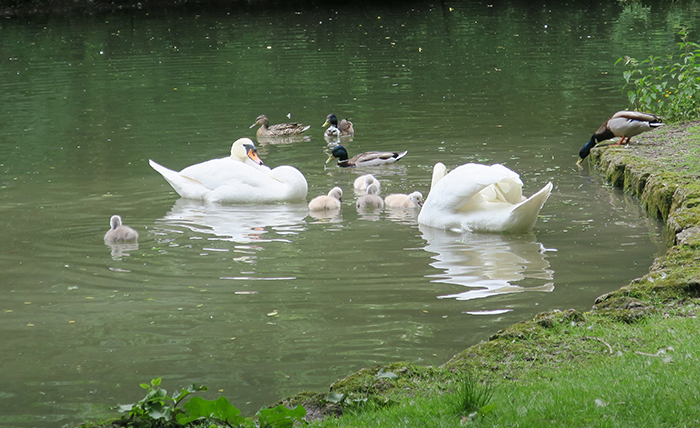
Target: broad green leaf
x,y
335,397
280,416
220,409
195,388
123,408
386,375
158,411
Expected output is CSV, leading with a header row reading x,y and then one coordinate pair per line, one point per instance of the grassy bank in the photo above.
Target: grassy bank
x,y
632,360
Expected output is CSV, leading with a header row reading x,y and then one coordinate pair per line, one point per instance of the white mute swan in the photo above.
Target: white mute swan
x,y
370,200
119,232
400,200
328,202
239,178
481,198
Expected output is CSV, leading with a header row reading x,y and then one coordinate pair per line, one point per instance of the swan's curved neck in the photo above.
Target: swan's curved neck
x,y
439,171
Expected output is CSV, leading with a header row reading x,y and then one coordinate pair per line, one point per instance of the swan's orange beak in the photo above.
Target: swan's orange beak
x,y
253,155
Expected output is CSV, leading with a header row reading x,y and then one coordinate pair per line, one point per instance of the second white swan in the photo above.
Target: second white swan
x,y
481,198
239,178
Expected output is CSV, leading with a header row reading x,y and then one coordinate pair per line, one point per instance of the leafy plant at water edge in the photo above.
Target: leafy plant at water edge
x,y
471,399
220,409
156,406
671,90
157,410
280,417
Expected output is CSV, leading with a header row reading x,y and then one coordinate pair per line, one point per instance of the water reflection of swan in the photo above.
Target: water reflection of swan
x,y
237,223
488,264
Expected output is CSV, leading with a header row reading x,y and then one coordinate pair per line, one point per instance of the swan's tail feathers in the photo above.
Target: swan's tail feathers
x,y
183,185
524,216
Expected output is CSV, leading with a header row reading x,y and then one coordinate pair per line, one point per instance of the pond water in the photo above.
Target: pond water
x,y
260,302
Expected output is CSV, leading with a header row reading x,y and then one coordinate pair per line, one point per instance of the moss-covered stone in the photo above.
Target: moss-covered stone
x,y
689,237
316,405
622,308
368,381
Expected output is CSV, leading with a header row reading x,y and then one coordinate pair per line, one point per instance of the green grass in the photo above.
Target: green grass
x,y
641,388
652,379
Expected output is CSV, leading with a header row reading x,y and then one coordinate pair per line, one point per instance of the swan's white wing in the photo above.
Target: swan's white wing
x,y
524,216
184,186
282,184
218,172
460,186
292,181
481,198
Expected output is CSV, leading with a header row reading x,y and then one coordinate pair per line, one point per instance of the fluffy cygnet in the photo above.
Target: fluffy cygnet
x,y
331,201
400,200
370,200
363,181
119,232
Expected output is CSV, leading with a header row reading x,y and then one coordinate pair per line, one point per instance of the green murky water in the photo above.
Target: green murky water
x,y
260,302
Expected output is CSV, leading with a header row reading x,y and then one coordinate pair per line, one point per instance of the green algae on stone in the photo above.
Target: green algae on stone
x,y
368,380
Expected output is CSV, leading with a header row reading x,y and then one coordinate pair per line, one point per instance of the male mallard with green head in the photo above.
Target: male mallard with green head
x,y
624,124
364,159
336,129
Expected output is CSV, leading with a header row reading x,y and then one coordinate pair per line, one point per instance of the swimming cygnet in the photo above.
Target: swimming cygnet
x,y
400,200
370,200
331,201
363,181
120,233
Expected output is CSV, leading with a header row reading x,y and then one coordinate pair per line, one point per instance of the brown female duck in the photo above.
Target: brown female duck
x,y
278,130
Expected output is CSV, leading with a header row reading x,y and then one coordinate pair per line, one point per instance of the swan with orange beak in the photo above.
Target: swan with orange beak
x,y
237,179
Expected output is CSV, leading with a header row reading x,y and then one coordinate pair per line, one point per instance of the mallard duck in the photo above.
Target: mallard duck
x,y
370,199
239,178
364,159
624,124
119,232
401,200
328,202
483,198
336,129
279,130
363,181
